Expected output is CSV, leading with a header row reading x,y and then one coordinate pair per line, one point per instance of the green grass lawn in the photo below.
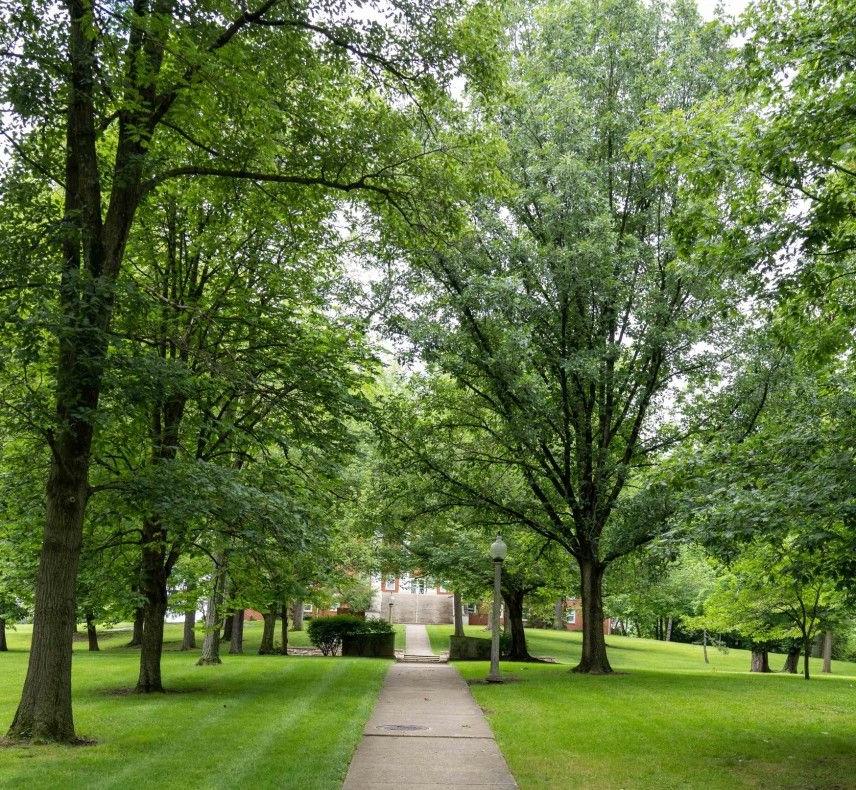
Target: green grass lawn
x,y
667,720
255,721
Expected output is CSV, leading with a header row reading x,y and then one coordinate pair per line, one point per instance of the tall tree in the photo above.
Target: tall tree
x,y
137,94
568,312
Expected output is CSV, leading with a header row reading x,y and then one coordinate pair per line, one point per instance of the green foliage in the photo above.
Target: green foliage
x,y
326,633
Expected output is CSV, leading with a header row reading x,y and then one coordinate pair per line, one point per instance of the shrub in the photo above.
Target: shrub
x,y
326,633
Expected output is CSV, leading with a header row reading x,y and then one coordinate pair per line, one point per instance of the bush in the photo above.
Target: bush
x,y
326,633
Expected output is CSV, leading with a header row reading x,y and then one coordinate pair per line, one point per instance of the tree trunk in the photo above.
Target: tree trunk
x,y
514,613
137,633
792,659
285,630
704,646
594,659
236,644
228,625
458,614
91,633
827,652
266,647
806,656
760,660
44,712
3,646
211,643
188,641
154,588
297,616
669,630
559,615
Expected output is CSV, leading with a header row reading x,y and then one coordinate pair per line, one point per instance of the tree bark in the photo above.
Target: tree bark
x,y
91,633
44,712
297,616
669,630
594,659
760,660
137,633
266,647
3,646
228,624
285,630
211,643
236,644
827,652
188,641
514,613
704,646
154,588
559,615
458,614
806,656
792,659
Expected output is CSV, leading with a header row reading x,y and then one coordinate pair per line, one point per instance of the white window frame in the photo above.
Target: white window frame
x,y
571,616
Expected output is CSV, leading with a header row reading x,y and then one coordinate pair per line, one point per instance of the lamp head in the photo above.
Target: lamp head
x,y
498,549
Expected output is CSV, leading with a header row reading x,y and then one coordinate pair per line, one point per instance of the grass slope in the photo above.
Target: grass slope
x,y
255,721
667,720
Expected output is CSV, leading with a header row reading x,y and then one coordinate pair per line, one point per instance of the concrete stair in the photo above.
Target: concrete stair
x,y
418,659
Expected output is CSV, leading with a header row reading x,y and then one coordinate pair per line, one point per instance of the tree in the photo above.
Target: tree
x,y
121,87
566,312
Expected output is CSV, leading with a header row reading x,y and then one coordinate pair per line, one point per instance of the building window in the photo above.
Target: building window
x,y
418,586
389,584
307,608
471,608
571,616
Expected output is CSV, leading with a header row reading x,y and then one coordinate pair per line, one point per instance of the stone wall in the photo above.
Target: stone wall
x,y
411,608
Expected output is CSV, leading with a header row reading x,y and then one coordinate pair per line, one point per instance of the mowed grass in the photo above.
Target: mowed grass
x,y
665,719
254,721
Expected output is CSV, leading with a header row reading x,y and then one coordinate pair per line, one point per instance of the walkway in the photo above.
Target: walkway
x,y
426,732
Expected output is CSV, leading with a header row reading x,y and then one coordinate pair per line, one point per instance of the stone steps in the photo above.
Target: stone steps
x,y
416,659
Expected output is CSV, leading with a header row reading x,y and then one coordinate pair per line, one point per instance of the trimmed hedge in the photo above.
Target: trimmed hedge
x,y
476,648
327,633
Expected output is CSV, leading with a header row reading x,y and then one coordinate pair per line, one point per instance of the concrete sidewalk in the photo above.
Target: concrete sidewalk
x,y
426,732
416,641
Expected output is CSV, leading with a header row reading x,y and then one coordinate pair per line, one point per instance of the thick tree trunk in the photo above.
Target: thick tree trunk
x,y
594,660
559,615
297,616
137,633
827,652
458,614
236,644
188,641
669,630
266,647
211,643
91,633
514,612
285,630
3,646
44,712
154,588
760,660
806,656
792,659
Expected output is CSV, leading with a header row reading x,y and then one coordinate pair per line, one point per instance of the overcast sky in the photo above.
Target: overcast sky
x,y
732,7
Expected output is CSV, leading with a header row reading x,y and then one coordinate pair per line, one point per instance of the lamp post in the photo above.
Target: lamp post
x,y
498,550
390,611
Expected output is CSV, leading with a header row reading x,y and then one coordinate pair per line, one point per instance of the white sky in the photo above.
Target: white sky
x,y
731,7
